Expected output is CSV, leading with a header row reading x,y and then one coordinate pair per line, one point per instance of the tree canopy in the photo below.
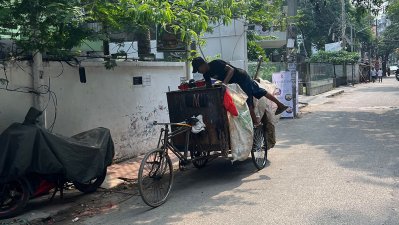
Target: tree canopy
x,y
51,26
365,6
43,24
320,23
389,40
254,49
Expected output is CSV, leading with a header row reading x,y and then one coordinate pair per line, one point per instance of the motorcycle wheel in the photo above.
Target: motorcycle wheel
x,y
13,198
92,185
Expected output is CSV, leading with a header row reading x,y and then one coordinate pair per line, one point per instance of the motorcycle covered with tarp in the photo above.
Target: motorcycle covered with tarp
x,y
34,161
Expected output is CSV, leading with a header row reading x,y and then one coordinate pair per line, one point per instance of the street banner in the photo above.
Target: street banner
x,y
283,93
333,47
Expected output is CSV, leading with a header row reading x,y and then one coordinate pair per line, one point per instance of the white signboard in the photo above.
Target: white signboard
x,y
333,47
283,93
290,43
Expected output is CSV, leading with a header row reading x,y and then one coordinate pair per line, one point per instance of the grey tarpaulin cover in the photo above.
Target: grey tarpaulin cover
x,y
26,149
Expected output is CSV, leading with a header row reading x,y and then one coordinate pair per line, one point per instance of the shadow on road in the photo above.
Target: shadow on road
x,y
329,216
192,189
362,140
382,89
202,192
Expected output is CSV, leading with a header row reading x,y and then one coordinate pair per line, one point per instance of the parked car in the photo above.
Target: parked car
x,y
393,69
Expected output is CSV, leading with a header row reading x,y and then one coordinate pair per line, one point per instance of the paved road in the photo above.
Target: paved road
x,y
337,164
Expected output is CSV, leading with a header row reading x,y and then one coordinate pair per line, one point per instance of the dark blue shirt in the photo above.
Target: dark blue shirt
x,y
218,70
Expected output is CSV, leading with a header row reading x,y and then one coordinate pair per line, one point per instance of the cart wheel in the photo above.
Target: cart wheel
x,y
155,177
183,165
259,149
202,161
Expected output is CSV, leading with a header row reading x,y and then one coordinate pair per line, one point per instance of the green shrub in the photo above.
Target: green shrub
x,y
340,57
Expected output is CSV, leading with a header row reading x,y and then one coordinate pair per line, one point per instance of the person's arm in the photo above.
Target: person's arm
x,y
229,74
208,80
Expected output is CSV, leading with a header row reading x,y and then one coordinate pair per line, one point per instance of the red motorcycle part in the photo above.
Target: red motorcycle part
x,y
44,188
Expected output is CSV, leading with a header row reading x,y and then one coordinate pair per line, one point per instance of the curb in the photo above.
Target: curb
x,y
302,105
335,94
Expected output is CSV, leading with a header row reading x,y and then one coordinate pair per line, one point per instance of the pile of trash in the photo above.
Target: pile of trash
x,y
240,122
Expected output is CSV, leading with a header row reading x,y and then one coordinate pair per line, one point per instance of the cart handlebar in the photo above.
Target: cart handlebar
x,y
155,123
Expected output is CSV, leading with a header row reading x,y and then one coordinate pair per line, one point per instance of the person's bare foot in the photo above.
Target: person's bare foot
x,y
281,109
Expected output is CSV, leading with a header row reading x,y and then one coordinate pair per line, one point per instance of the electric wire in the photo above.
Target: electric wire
x,y
23,69
41,90
62,70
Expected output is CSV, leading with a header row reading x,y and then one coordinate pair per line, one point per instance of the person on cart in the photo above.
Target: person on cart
x,y
223,71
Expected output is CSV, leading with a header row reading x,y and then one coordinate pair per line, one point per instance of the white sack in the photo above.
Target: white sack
x,y
241,127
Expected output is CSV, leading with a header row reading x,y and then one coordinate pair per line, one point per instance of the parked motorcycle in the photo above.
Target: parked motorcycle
x,y
33,162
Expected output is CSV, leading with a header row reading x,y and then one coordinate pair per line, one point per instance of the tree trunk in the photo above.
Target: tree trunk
x,y
144,43
335,77
384,64
106,47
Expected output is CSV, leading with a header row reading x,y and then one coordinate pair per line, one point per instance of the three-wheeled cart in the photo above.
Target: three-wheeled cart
x,y
156,170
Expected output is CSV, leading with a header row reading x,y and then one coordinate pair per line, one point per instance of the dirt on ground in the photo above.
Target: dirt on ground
x,y
84,206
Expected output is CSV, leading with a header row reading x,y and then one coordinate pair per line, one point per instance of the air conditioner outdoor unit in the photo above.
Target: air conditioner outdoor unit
x,y
8,48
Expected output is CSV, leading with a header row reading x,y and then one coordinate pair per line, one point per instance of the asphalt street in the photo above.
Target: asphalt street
x,y
337,164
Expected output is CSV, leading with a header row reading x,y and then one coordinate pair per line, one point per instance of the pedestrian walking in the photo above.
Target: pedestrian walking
x,y
373,74
379,73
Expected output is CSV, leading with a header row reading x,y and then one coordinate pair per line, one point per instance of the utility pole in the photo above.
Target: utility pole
x,y
352,47
377,59
343,24
38,76
38,82
291,50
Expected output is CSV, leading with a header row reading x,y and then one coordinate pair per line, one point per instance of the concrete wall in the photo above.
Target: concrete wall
x,y
356,74
317,77
315,89
108,99
341,76
339,71
14,105
345,76
230,42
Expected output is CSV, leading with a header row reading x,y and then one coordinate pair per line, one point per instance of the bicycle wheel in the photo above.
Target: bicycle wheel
x,y
155,177
259,149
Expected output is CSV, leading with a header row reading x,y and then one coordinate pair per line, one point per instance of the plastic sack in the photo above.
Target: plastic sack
x,y
240,127
266,109
199,126
229,104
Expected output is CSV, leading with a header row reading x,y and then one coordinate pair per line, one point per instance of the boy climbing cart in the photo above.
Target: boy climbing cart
x,y
229,74
206,123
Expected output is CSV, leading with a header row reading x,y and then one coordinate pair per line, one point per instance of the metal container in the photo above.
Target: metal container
x,y
207,102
